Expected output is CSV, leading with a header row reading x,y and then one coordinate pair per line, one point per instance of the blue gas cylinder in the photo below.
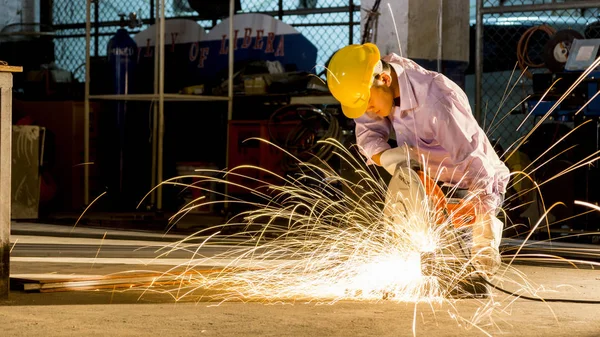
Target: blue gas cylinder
x,y
122,57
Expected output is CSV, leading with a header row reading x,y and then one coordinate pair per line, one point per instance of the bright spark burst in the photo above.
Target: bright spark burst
x,y
321,237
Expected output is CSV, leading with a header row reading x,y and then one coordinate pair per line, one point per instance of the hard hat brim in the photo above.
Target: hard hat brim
x,y
355,112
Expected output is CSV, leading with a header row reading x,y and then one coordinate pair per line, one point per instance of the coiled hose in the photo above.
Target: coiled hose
x,y
522,48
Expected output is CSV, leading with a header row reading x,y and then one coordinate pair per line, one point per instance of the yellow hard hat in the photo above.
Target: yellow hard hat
x,y
350,76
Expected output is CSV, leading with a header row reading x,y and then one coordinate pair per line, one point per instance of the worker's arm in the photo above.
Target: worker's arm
x,y
411,154
372,134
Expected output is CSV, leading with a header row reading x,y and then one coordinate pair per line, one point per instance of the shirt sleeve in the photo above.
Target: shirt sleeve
x,y
457,131
372,135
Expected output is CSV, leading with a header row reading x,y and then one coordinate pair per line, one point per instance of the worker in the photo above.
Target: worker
x,y
433,125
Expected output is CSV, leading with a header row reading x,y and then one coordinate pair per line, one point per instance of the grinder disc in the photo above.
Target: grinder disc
x,y
556,50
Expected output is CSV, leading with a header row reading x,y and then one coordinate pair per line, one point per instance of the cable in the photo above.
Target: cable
x,y
540,299
530,298
368,32
523,45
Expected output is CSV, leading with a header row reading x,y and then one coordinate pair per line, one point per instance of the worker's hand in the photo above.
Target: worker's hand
x,y
399,155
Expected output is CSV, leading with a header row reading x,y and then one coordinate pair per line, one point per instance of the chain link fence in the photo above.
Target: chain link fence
x,y
514,43
328,24
525,46
513,40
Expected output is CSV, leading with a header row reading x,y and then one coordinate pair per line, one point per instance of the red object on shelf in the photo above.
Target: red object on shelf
x,y
200,179
246,151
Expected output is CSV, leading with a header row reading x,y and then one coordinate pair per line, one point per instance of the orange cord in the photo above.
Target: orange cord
x,y
522,55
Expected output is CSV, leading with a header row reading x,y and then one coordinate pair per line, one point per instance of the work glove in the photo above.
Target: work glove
x,y
391,158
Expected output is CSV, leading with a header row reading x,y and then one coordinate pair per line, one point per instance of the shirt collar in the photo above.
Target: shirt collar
x,y
408,100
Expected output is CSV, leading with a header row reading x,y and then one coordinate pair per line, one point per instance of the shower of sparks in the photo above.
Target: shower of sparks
x,y
322,237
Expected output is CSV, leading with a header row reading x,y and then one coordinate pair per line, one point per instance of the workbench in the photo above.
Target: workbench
x,y
6,82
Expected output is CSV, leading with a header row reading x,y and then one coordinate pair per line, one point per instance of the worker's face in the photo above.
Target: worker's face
x,y
382,96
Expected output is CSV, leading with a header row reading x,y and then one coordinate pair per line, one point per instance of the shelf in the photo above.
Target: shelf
x,y
10,69
325,99
155,97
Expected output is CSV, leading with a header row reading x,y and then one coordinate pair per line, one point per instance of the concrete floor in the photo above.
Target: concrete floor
x,y
130,313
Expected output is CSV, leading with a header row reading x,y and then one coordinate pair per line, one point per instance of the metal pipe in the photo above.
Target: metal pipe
x,y
113,23
96,27
478,58
440,36
152,97
152,12
327,24
350,22
303,11
279,7
230,61
86,108
154,149
154,107
541,7
161,104
307,11
320,24
71,36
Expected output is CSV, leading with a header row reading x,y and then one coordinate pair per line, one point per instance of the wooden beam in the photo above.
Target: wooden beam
x,y
10,69
6,82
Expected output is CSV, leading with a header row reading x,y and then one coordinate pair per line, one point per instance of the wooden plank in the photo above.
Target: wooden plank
x,y
42,283
24,284
10,69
